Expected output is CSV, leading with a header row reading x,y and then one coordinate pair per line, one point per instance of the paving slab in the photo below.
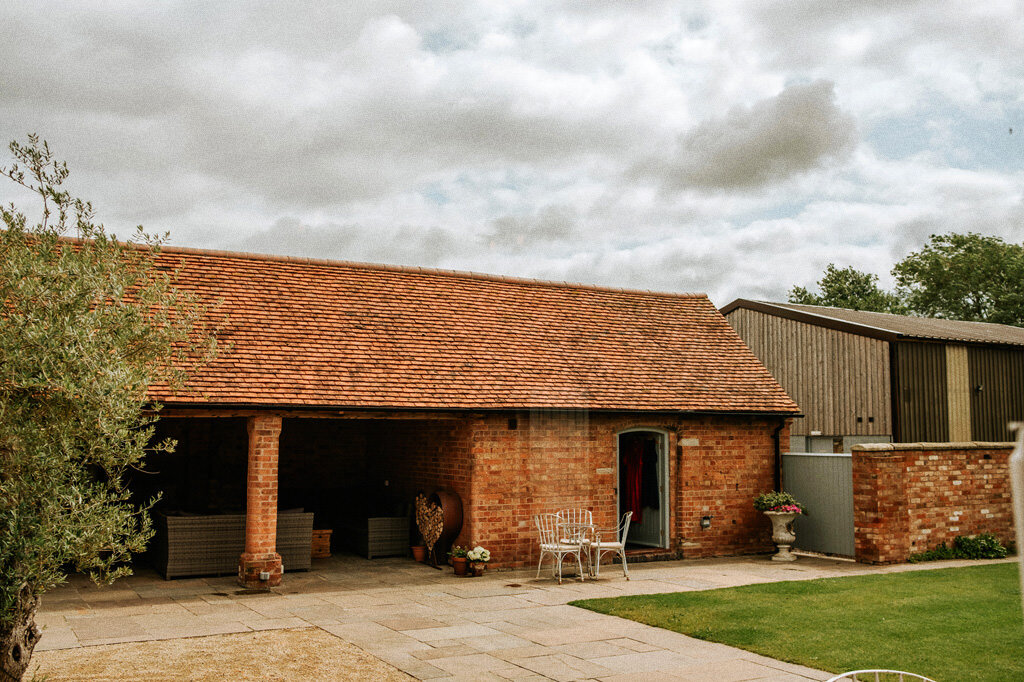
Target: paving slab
x,y
433,625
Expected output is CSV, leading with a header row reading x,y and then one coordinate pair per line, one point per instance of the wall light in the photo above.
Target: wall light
x,y
705,522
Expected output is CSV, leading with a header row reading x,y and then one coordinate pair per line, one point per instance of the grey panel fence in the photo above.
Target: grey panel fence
x,y
823,483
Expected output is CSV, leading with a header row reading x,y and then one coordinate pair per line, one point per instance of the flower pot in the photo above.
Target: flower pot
x,y
782,534
460,563
478,568
419,553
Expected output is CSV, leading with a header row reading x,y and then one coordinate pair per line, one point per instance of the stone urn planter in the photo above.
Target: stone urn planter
x,y
782,533
781,508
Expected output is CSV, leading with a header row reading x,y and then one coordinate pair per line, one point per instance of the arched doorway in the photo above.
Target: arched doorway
x,y
643,485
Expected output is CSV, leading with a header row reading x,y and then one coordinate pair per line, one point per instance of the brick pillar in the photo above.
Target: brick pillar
x,y
260,555
881,522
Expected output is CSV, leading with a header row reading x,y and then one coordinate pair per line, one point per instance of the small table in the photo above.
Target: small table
x,y
579,533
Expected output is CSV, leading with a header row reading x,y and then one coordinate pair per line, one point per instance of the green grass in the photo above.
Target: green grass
x,y
949,624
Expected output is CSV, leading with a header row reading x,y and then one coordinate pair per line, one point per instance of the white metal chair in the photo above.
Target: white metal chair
x,y
576,516
554,542
578,528
879,675
617,545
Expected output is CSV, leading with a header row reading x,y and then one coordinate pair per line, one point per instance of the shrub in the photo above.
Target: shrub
x,y
981,546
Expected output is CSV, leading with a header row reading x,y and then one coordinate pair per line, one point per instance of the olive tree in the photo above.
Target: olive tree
x,y
87,324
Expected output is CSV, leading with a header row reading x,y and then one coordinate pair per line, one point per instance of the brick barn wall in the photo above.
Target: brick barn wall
x,y
205,474
554,460
422,456
911,497
507,467
348,468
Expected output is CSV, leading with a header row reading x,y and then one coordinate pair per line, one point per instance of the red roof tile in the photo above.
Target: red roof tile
x,y
334,334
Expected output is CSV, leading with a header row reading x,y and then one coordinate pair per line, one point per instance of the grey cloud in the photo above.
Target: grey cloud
x,y
404,245
312,107
551,224
798,130
804,33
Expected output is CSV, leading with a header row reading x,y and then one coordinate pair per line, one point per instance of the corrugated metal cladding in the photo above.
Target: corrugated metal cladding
x,y
997,391
839,380
922,406
823,484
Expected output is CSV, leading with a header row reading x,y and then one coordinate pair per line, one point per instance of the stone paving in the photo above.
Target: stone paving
x,y
505,625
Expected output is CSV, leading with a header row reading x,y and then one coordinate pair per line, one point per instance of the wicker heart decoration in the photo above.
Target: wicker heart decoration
x,y
430,521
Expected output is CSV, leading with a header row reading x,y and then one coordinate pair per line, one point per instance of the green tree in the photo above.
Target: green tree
x,y
849,288
86,325
964,277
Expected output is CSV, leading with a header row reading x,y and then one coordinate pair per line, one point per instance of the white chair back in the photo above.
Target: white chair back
x,y
576,516
547,528
575,525
623,530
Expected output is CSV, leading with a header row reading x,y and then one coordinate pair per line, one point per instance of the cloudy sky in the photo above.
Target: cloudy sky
x,y
727,147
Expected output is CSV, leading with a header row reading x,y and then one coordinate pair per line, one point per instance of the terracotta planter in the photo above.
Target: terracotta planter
x,y
419,553
460,564
478,568
782,534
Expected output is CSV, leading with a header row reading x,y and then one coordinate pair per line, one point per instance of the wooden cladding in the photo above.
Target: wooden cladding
x,y
839,380
997,392
940,391
958,392
922,402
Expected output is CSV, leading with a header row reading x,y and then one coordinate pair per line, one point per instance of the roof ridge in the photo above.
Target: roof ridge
x,y
415,269
889,326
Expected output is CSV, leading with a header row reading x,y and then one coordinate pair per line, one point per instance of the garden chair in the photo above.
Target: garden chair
x,y
554,543
578,528
879,675
615,542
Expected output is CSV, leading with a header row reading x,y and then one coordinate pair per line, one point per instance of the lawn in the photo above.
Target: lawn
x,y
948,624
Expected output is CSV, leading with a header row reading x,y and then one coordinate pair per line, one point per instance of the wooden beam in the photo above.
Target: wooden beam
x,y
192,412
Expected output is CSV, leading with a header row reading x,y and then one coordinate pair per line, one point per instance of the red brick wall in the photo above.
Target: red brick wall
x,y
547,460
908,498
423,455
552,460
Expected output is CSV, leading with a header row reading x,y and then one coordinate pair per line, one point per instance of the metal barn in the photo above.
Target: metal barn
x,y
862,377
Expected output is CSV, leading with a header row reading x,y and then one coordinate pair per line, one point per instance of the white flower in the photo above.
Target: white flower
x,y
478,553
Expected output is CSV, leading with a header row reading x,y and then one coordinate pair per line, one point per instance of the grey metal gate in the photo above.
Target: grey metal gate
x,y
823,483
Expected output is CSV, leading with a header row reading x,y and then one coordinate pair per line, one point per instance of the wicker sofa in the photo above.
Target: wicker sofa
x,y
379,535
191,545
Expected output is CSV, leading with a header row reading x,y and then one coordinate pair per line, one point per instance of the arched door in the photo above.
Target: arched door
x,y
643,485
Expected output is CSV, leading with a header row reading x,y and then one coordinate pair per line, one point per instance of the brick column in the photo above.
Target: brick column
x,y
260,555
881,523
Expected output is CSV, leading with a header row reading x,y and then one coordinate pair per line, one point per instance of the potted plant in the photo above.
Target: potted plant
x,y
459,560
781,508
478,558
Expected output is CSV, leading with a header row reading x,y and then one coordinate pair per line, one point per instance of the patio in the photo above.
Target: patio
x,y
431,624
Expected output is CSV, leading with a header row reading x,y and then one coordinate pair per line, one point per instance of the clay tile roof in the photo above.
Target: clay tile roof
x,y
347,335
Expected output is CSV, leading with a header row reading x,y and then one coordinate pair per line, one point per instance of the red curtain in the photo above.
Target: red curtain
x,y
632,478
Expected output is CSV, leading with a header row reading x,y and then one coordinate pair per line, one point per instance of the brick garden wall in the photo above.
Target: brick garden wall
x,y
909,498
